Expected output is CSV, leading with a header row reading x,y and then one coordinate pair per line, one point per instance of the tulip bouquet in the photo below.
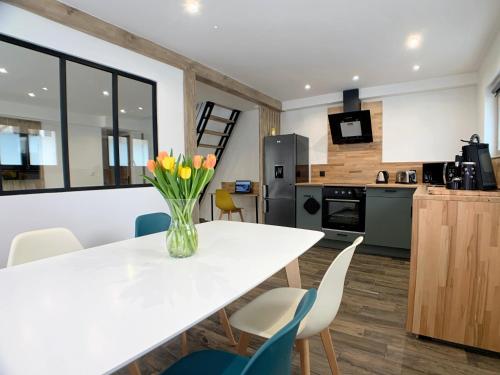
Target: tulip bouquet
x,y
180,181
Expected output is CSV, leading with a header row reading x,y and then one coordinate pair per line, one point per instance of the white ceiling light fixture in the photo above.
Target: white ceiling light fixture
x,y
413,41
416,68
216,27
307,86
123,110
355,78
105,93
140,108
3,71
31,94
192,6
45,89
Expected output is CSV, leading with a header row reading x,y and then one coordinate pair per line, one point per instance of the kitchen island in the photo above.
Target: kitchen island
x,y
454,289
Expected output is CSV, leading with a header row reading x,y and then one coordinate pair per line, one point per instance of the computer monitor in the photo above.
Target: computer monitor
x,y
243,186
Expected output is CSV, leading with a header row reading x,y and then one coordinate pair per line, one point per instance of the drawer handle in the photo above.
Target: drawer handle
x,y
341,234
390,191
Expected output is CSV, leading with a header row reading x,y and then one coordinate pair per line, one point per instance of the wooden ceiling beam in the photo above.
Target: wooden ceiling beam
x,y
94,26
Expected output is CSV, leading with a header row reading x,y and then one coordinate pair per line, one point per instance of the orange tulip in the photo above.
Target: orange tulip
x,y
151,166
210,161
168,163
162,155
197,159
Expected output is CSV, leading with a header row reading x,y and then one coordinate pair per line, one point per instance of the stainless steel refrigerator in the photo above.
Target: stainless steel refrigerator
x,y
286,162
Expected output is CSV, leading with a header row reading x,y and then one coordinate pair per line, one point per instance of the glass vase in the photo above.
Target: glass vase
x,y
182,236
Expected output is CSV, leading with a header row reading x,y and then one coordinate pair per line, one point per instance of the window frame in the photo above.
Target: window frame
x,y
63,59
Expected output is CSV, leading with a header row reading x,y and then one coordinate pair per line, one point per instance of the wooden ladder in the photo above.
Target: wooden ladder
x,y
204,117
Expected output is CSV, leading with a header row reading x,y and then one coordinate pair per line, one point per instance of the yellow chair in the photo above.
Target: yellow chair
x,y
225,204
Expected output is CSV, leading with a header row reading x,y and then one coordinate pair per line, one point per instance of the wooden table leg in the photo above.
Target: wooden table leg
x,y
224,321
243,343
293,274
184,344
134,369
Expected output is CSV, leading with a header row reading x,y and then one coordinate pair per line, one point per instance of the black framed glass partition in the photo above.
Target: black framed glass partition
x,y
71,124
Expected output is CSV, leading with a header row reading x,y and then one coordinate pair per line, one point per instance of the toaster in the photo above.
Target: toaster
x,y
406,177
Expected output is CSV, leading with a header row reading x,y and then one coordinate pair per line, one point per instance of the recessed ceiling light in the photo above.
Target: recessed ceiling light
x,y
307,87
3,71
413,41
355,78
31,94
140,108
416,67
105,93
216,27
192,6
123,110
45,89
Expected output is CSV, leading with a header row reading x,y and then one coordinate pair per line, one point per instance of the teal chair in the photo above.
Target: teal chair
x,y
272,358
151,223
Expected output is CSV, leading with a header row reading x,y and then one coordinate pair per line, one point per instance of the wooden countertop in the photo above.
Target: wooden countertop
x,y
441,193
371,185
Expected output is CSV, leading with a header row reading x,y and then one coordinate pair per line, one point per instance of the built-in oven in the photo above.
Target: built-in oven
x,y
344,208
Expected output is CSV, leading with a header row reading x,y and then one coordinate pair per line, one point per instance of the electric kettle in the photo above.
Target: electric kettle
x,y
382,177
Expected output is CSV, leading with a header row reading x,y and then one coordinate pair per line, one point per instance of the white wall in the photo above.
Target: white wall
x,y
428,126
488,115
410,133
239,162
312,123
95,216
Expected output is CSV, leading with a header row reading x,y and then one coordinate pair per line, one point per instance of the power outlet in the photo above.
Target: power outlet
x,y
322,173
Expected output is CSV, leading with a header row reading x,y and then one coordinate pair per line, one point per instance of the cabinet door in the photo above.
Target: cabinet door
x,y
306,220
388,221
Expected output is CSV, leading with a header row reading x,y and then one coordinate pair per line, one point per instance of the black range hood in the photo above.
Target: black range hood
x,y
353,125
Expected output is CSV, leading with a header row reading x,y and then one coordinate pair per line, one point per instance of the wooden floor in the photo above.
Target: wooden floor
x,y
368,333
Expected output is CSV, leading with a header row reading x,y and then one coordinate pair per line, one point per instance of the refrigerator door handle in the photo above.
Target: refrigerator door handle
x,y
266,206
264,191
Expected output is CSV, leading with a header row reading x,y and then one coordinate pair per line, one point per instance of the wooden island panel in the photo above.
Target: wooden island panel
x,y
454,291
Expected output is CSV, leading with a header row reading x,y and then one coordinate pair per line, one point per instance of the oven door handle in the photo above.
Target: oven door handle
x,y
342,200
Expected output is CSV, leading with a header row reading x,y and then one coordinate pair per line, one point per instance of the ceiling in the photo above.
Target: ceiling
x,y
278,46
205,93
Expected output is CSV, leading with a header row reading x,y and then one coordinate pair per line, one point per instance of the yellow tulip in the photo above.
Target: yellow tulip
x,y
185,173
168,163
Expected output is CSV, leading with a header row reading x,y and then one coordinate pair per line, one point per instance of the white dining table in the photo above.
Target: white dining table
x,y
96,310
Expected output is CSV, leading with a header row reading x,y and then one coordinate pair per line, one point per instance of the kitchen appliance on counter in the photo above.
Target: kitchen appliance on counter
x,y
435,173
406,177
468,173
479,153
286,162
382,177
344,208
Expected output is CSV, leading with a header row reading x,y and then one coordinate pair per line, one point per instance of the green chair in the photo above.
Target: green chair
x,y
151,223
274,357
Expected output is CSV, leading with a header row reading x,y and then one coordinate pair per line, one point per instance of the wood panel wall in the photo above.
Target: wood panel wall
x,y
268,119
360,162
496,167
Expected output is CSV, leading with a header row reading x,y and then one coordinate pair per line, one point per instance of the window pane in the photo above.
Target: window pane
x,y
30,120
135,118
90,123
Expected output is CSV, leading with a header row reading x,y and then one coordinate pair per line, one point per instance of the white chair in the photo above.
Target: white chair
x,y
39,244
269,312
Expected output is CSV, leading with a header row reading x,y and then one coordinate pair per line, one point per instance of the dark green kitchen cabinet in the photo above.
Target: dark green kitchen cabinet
x,y
388,217
305,219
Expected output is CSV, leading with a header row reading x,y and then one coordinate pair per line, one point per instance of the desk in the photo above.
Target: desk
x,y
256,196
96,310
